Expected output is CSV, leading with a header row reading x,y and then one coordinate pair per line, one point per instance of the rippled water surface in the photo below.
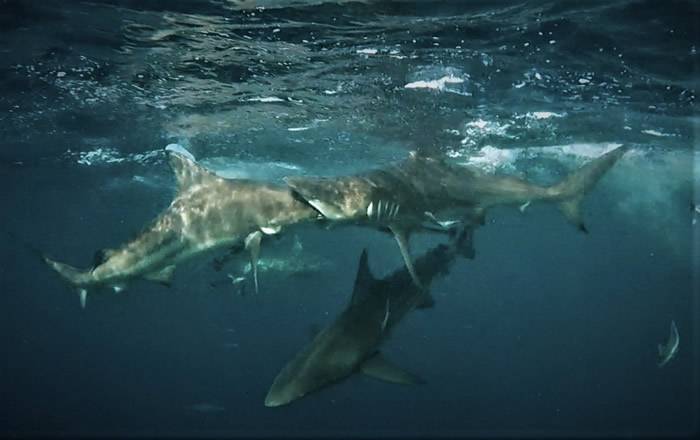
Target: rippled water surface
x,y
547,331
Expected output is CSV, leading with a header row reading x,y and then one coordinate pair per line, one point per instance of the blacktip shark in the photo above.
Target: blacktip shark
x,y
416,192
668,351
350,344
208,213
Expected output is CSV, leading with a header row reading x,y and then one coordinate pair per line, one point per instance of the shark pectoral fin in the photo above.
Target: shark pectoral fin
x,y
379,368
163,276
83,297
252,243
118,288
402,238
572,212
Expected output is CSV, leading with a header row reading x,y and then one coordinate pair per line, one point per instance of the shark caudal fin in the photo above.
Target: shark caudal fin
x,y
69,273
72,275
572,189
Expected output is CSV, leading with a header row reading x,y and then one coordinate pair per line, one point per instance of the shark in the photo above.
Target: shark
x,y
423,192
668,351
351,343
208,213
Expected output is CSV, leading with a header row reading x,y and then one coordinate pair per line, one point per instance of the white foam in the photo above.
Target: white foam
x,y
543,115
476,130
265,99
108,155
367,51
437,84
99,155
656,133
490,158
298,128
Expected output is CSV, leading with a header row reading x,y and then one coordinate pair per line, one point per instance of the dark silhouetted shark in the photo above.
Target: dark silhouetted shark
x,y
351,343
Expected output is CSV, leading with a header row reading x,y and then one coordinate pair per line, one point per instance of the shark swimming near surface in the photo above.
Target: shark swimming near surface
x,y
350,344
668,351
417,192
208,213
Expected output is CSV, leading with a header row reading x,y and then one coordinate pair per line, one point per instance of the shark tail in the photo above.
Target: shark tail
x,y
572,189
69,273
72,275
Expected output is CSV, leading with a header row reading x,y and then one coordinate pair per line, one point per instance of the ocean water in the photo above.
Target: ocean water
x,y
547,332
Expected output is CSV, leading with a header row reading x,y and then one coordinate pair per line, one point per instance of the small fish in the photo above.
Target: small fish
x,y
205,407
670,349
235,280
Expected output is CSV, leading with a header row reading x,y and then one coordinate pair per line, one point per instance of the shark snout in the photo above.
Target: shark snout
x,y
271,402
284,390
275,399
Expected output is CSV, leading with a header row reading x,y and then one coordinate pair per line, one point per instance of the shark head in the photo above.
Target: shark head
x,y
287,388
334,198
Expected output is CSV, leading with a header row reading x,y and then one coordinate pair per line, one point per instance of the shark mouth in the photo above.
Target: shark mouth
x,y
326,210
299,197
308,192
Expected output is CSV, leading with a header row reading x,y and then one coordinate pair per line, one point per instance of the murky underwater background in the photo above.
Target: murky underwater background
x,y
547,331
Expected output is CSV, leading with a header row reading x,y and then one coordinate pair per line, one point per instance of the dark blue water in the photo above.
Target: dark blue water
x,y
546,332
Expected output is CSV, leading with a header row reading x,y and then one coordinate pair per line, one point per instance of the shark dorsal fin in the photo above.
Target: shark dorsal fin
x,y
187,171
364,278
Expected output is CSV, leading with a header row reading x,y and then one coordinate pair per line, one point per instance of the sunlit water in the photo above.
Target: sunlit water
x,y
546,331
